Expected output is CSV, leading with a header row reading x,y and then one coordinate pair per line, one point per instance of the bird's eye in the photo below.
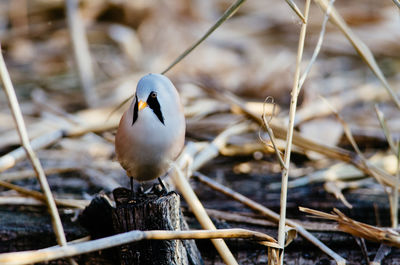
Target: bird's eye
x,y
153,94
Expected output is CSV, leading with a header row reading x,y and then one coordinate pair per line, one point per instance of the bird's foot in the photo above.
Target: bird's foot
x,y
160,188
140,190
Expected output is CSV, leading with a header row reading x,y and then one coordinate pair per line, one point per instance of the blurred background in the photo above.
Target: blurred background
x,y
252,55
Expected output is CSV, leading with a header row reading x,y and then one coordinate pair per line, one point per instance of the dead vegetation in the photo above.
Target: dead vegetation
x,y
338,63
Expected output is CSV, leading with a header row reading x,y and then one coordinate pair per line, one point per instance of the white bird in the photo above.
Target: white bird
x,y
151,132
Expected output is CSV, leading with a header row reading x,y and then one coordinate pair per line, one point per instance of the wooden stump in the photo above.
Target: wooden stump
x,y
150,211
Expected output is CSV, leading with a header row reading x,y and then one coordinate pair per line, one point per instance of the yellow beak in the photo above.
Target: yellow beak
x,y
142,105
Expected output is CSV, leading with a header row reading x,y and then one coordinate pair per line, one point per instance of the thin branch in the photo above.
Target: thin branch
x,y
289,136
17,115
225,16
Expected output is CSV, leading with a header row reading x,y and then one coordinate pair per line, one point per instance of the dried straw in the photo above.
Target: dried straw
x,y
81,51
47,254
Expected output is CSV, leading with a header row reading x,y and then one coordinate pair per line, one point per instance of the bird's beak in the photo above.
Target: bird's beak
x,y
142,105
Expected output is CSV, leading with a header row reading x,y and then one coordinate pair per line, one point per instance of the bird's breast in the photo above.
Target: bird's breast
x,y
145,148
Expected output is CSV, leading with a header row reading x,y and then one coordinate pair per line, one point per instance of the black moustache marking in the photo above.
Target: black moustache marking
x,y
135,111
155,106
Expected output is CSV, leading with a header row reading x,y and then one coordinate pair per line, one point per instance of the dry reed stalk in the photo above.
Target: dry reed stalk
x,y
319,108
27,173
385,129
39,98
40,196
396,189
9,160
225,16
20,124
336,187
382,252
252,219
339,172
194,203
81,51
247,149
47,254
271,134
18,201
94,128
360,47
276,126
394,199
212,150
304,143
294,7
361,162
239,218
318,46
289,136
270,214
348,225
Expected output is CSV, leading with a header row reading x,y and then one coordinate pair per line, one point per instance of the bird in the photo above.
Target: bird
x,y
151,132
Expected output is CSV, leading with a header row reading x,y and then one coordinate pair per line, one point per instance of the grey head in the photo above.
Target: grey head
x,y
159,94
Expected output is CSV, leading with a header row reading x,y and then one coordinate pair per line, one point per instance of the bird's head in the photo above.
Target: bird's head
x,y
156,92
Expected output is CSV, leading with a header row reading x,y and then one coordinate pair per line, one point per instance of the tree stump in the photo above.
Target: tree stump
x,y
144,211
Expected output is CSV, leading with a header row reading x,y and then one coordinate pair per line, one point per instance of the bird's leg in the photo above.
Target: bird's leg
x,y
131,184
132,192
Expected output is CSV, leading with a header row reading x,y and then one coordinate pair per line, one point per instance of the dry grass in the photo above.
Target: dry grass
x,y
223,84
